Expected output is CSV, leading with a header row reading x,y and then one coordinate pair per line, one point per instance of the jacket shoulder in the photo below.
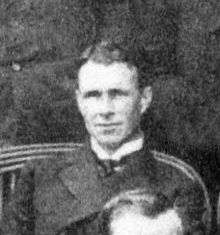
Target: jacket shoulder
x,y
180,168
169,163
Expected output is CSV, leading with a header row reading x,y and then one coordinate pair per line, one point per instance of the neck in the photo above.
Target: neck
x,y
112,148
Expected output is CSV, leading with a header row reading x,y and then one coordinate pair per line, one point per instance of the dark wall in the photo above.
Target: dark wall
x,y
41,39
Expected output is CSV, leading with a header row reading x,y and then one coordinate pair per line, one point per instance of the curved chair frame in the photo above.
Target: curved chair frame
x,y
192,174
13,158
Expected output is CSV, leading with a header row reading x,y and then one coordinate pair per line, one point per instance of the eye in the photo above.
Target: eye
x,y
92,94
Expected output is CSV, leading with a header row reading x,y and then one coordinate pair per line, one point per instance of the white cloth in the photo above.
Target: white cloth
x,y
125,149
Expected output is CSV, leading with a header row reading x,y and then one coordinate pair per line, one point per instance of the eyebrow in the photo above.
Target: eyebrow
x,y
111,92
118,91
92,93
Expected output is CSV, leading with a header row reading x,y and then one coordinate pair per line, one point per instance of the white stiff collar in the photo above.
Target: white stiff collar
x,y
125,149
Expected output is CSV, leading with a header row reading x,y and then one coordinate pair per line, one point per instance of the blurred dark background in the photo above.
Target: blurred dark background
x,y
40,41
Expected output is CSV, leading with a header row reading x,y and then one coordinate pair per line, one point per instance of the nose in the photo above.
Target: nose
x,y
106,107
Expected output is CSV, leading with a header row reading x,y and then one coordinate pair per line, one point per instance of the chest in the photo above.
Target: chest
x,y
76,193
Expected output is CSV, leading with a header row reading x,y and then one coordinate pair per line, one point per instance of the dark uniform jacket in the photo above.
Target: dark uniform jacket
x,y
55,192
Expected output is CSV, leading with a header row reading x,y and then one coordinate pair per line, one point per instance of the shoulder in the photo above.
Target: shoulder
x,y
186,178
171,163
178,171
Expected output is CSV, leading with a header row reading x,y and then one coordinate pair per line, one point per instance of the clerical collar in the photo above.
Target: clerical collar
x,y
125,149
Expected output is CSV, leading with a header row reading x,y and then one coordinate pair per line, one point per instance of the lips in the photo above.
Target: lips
x,y
108,124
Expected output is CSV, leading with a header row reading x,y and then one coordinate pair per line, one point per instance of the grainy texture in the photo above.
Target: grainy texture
x,y
40,40
180,45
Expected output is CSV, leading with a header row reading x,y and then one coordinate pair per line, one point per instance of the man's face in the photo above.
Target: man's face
x,y
110,101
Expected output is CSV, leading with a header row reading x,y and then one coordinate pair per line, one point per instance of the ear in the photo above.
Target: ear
x,y
146,98
79,100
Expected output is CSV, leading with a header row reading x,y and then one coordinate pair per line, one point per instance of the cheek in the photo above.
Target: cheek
x,y
131,112
128,107
88,110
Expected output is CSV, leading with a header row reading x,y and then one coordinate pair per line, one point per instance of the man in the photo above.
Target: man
x,y
112,96
143,214
139,213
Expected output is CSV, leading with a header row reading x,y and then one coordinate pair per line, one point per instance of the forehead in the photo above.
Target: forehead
x,y
94,75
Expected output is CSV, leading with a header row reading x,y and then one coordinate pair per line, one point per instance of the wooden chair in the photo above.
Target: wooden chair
x,y
191,173
12,159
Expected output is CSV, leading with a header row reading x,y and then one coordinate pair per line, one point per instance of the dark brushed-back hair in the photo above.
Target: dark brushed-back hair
x,y
107,53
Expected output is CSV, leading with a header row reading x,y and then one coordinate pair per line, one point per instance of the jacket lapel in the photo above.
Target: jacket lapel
x,y
91,191
82,181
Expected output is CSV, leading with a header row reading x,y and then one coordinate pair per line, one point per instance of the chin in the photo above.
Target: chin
x,y
110,141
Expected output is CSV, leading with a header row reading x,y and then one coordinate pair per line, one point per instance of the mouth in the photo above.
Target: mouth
x,y
108,124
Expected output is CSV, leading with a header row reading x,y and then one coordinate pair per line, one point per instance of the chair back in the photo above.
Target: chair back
x,y
13,158
193,175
